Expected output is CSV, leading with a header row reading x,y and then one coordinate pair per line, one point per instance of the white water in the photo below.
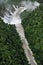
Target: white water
x,y
25,46
29,5
15,18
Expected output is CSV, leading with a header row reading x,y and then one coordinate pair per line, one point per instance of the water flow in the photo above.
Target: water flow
x,y
14,18
25,45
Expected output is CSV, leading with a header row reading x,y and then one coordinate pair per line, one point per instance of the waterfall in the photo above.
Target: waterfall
x,y
25,45
14,19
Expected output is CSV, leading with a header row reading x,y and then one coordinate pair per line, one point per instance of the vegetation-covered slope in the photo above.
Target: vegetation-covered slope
x,y
11,52
33,26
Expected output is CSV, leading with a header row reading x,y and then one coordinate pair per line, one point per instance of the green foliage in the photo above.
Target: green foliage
x,y
11,52
33,27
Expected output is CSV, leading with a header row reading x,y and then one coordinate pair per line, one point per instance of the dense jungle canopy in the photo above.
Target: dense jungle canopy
x,y
11,51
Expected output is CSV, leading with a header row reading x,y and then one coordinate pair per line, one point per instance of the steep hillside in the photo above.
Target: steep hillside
x,y
33,26
11,52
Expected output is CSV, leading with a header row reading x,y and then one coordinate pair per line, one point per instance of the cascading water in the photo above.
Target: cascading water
x,y
25,45
15,18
